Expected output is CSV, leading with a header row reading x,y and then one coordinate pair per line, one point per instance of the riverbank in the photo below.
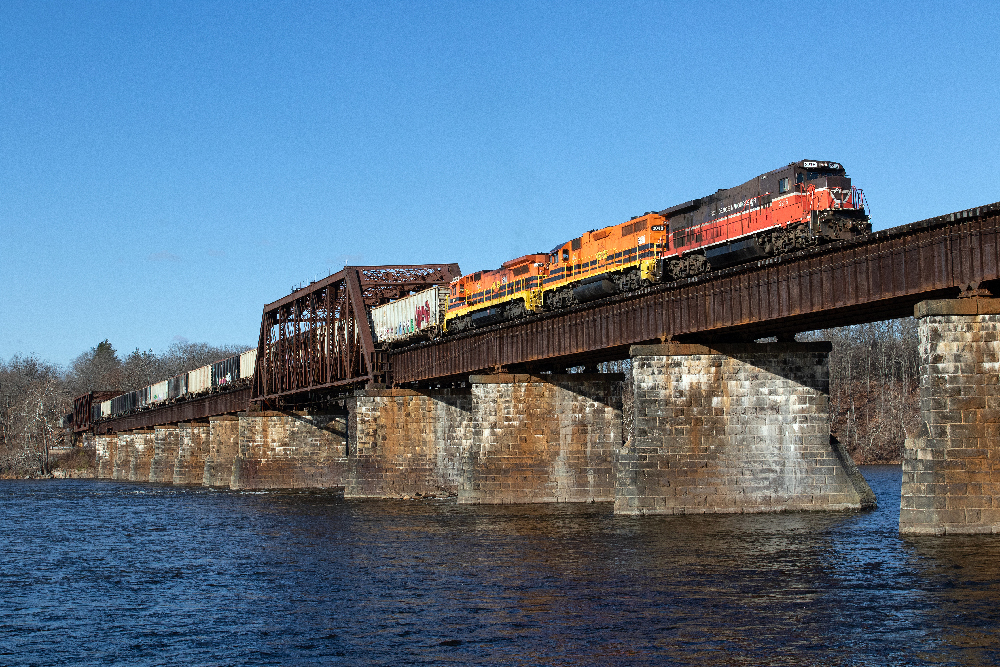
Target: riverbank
x,y
63,463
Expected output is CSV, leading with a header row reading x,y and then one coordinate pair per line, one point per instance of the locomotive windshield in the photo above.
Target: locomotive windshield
x,y
810,171
813,175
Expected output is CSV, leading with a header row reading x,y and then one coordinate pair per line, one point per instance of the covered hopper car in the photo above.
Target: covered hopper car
x,y
414,316
222,375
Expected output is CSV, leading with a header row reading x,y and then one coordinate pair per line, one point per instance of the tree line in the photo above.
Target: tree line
x,y
36,396
874,387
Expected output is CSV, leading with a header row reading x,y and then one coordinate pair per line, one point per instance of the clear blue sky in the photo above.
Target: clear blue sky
x,y
168,168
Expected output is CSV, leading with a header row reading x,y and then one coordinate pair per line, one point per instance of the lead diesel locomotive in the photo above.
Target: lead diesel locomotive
x,y
801,205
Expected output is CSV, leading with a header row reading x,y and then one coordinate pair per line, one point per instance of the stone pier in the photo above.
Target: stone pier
x,y
165,442
734,428
405,442
105,452
123,455
543,438
223,447
143,447
192,450
291,450
951,466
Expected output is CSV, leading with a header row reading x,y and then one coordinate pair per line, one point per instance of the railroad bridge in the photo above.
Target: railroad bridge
x,y
715,423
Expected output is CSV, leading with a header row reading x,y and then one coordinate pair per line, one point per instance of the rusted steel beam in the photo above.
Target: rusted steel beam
x,y
83,408
359,314
320,336
199,408
382,280
875,278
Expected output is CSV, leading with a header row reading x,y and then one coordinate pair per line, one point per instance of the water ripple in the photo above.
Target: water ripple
x,y
108,573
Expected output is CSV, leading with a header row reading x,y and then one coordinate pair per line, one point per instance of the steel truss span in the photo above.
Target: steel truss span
x,y
875,277
320,337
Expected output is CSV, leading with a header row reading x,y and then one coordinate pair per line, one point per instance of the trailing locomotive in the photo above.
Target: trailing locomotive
x,y
798,206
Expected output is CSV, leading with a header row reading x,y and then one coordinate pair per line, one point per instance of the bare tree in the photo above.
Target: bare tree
x,y
101,369
33,400
98,369
35,395
874,378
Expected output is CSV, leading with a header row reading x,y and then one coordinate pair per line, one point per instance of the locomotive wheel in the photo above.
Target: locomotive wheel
x,y
515,310
629,281
687,266
784,241
698,264
559,299
672,270
765,242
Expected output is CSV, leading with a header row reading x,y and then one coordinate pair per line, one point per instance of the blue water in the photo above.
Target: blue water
x,y
108,573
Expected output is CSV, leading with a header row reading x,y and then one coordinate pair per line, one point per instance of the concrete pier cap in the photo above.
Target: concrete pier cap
x,y
727,428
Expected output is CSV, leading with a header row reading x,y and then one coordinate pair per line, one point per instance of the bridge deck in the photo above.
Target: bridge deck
x,y
875,278
195,409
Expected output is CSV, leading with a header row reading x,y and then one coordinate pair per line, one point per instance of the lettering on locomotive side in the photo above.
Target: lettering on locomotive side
x,y
752,201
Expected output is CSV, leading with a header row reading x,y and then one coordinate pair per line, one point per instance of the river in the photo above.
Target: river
x,y
111,573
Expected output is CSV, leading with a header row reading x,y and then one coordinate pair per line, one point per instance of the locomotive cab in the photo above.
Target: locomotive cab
x,y
817,173
836,208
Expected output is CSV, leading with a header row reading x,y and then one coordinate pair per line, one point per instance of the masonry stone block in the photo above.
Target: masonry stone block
x,y
406,442
105,450
165,442
223,447
142,450
542,438
951,464
192,450
291,450
123,455
764,445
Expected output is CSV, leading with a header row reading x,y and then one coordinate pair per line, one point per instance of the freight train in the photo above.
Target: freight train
x,y
223,375
800,205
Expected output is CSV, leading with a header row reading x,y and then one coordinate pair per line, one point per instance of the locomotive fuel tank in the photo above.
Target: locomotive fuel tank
x,y
595,288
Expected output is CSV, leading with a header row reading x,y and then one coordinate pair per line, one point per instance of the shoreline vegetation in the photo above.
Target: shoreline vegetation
x,y
874,398
37,396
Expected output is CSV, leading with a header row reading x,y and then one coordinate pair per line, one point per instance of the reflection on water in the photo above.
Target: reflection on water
x,y
117,573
